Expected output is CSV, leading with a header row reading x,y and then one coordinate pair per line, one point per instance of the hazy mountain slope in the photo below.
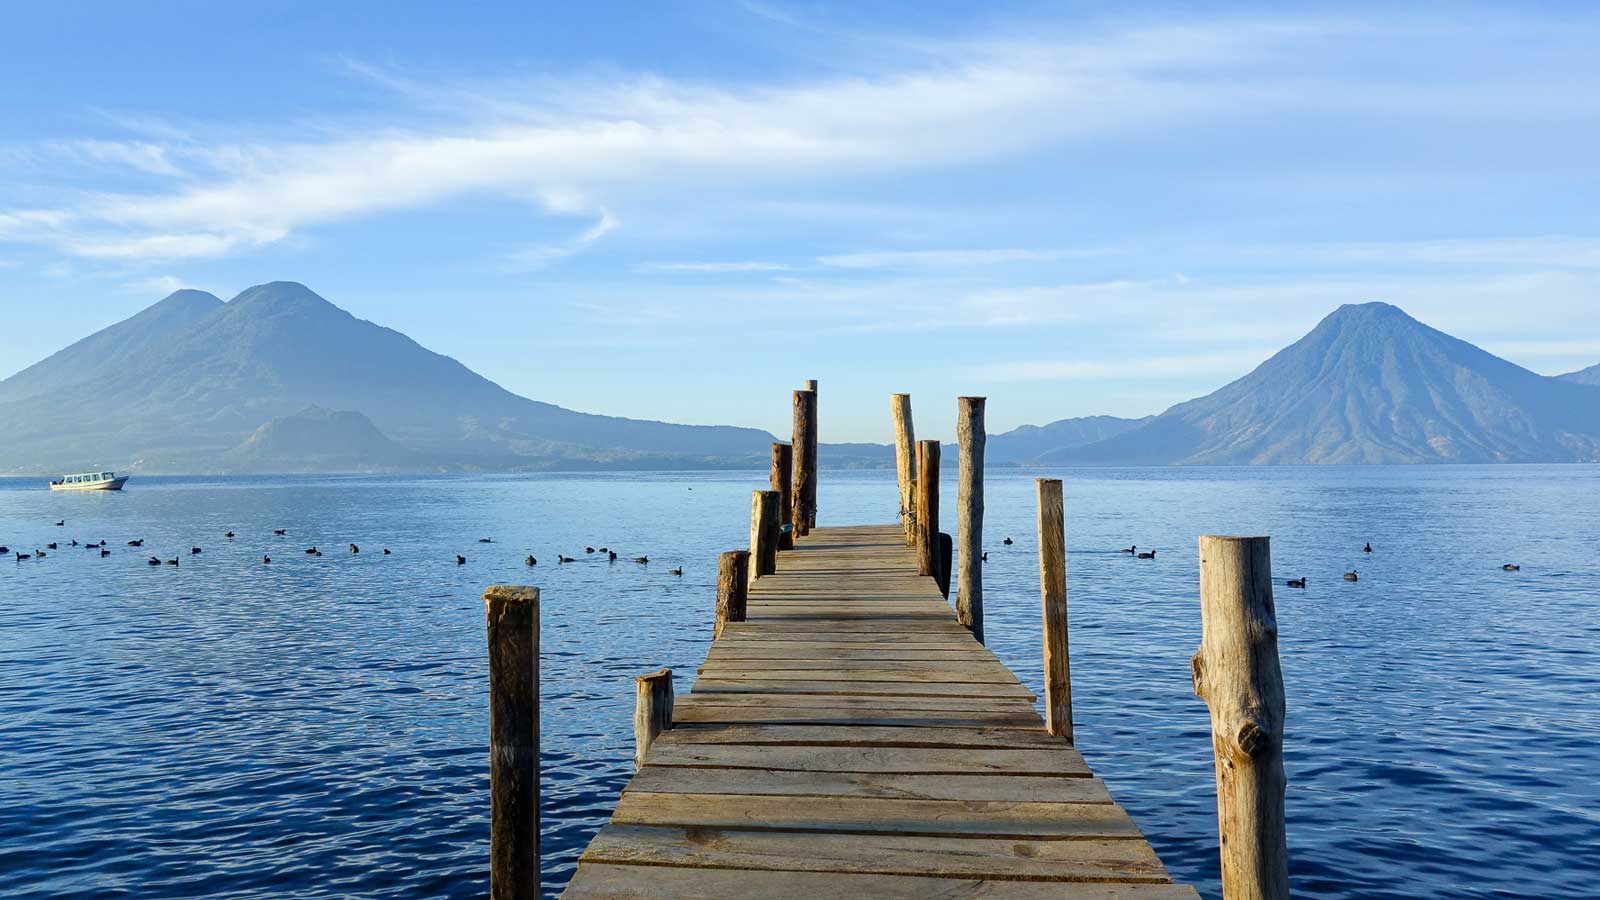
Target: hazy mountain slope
x,y
318,440
183,395
1369,384
1026,443
1590,375
105,356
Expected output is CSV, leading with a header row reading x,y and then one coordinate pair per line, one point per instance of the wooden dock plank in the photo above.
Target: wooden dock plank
x,y
606,881
850,739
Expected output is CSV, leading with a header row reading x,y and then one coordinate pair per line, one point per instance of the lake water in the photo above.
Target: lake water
x,y
317,727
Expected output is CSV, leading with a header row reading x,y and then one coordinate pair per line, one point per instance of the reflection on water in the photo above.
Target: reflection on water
x,y
316,727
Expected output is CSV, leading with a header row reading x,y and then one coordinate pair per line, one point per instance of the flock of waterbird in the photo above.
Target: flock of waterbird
x,y
605,553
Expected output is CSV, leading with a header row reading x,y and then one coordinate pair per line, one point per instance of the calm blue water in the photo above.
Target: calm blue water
x,y
317,727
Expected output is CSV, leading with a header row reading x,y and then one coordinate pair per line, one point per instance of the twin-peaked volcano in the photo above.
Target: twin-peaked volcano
x,y
183,385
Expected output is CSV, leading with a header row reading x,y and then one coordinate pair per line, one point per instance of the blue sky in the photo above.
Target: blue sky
x,y
681,213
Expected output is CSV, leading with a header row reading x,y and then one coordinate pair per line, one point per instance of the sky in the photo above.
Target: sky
x,y
681,211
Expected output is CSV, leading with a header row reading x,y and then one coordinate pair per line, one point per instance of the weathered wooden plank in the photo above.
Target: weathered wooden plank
x,y
1013,858
926,760
903,785
859,688
839,654
882,715
604,881
857,736
878,815
848,703
919,675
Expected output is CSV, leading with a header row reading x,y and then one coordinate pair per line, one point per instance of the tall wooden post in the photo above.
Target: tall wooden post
x,y
969,515
1236,672
733,577
928,508
781,481
652,711
763,533
1053,597
905,463
513,628
805,451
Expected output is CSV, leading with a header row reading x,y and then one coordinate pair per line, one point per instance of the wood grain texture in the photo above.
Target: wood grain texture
x,y
733,577
652,711
905,463
852,738
781,479
804,441
969,514
1236,672
764,532
1053,599
513,636
928,508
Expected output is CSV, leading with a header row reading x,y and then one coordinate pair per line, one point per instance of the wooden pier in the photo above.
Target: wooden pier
x,y
850,739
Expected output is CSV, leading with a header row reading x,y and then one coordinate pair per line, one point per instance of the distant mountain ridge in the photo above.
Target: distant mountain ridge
x,y
279,379
1590,375
1369,384
179,386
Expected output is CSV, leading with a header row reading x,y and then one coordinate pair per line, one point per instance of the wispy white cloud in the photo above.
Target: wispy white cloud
x,y
648,139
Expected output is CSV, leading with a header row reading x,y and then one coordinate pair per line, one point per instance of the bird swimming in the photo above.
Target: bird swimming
x,y
39,553
530,561
611,556
138,543
460,560
194,551
485,540
564,559
1296,582
1132,549
312,551
104,553
229,535
50,546
1351,575
74,542
386,551
1008,542
641,560
588,549
985,556
154,561
280,531
172,562
677,571
1511,567
4,550
61,523
1367,548
354,549
265,560
1150,555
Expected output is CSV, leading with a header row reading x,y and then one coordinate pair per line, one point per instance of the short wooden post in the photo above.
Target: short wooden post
x,y
1053,597
763,533
1236,672
928,508
805,448
905,463
652,711
733,577
513,629
969,515
781,481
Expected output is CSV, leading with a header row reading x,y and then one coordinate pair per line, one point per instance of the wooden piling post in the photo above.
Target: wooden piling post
x,y
652,711
928,508
969,515
733,577
781,480
1236,672
805,451
763,533
1053,597
513,631
947,552
905,463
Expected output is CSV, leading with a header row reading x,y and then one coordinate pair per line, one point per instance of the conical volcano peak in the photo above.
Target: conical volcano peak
x,y
280,297
189,299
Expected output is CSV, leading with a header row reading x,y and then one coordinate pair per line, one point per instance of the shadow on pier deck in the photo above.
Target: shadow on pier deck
x,y
850,739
